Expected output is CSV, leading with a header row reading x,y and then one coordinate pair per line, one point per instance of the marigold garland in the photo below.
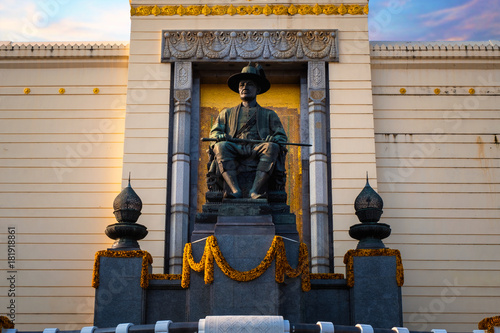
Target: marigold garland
x,y
170,277
277,250
147,260
489,324
349,260
327,276
278,9
6,323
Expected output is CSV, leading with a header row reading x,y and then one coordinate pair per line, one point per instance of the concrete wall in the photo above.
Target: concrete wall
x,y
439,175
60,170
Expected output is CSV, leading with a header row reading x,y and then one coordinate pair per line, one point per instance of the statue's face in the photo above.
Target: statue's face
x,y
248,90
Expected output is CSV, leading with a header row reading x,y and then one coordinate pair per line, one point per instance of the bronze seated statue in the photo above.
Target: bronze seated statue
x,y
247,159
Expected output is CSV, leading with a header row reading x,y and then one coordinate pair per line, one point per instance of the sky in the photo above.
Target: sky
x,y
389,20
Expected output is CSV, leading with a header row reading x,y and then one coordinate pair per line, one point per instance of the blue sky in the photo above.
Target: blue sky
x,y
109,20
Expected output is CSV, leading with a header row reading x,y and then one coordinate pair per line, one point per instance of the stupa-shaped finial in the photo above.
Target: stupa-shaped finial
x,y
127,209
369,232
368,204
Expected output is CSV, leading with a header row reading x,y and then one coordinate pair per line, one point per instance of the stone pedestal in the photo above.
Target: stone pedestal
x,y
119,297
375,296
244,242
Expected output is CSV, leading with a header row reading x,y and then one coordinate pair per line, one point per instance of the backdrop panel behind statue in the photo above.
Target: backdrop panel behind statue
x,y
282,98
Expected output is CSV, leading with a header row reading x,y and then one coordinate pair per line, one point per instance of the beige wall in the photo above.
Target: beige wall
x,y
439,176
60,170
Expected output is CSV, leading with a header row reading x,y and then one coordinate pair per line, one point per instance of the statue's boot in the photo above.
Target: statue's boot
x,y
261,179
231,180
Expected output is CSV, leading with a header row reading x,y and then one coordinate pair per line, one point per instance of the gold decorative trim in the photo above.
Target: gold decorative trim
x,y
402,91
349,261
437,91
217,10
277,251
27,91
489,324
62,91
96,91
472,91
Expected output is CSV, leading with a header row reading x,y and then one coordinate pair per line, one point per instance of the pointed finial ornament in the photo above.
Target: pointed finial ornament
x,y
368,204
127,209
369,232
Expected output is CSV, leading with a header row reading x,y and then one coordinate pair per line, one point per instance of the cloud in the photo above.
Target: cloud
x,y
449,15
473,20
60,20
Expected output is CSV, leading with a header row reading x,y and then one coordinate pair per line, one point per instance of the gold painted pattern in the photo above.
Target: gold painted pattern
x,y
217,10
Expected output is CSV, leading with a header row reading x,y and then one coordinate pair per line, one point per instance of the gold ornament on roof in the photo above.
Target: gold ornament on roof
x,y
206,10
343,10
156,11
278,9
231,10
267,10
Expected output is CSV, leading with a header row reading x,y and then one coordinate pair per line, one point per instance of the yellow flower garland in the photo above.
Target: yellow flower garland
x,y
170,277
489,324
327,276
5,323
146,261
349,260
212,252
277,250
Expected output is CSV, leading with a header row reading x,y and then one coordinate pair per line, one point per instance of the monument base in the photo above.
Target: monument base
x,y
283,220
244,242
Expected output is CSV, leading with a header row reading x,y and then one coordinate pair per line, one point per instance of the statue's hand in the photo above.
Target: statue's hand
x,y
272,138
221,137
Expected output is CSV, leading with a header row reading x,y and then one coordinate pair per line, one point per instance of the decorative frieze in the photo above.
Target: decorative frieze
x,y
277,9
268,45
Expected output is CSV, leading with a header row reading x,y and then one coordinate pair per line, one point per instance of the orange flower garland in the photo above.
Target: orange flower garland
x,y
489,324
277,250
349,260
327,276
146,261
213,253
5,323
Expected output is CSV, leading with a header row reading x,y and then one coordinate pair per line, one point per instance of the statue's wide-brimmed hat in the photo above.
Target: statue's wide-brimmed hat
x,y
256,74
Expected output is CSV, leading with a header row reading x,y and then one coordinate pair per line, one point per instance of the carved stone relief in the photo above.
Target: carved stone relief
x,y
268,45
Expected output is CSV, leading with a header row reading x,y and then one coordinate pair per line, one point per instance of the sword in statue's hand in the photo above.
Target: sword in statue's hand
x,y
246,141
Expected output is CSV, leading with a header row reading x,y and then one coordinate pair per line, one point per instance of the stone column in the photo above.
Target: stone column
x,y
179,218
318,179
